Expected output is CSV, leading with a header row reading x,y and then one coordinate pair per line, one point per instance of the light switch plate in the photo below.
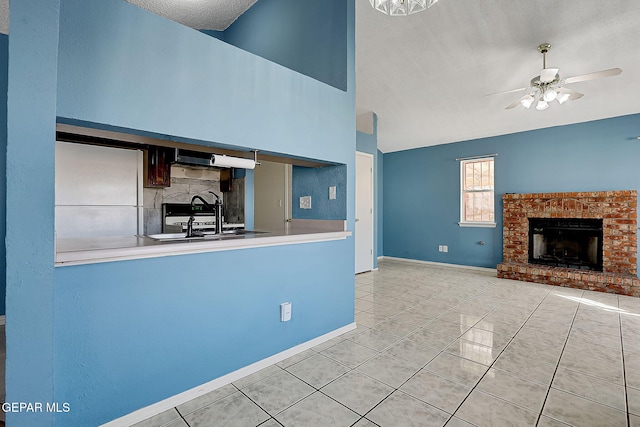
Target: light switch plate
x,y
305,202
332,192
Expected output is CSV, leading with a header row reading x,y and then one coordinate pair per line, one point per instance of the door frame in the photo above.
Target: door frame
x,y
372,207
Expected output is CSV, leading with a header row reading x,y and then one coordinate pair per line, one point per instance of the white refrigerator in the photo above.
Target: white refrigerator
x,y
98,191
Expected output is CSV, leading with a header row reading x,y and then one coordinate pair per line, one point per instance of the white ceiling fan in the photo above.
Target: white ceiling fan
x,y
548,86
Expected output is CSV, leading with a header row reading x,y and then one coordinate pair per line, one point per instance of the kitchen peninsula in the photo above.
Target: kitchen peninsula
x,y
89,250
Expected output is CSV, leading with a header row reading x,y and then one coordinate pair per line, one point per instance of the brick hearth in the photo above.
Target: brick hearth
x,y
618,210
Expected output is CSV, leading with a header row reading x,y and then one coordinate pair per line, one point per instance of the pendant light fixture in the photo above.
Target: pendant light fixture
x,y
401,7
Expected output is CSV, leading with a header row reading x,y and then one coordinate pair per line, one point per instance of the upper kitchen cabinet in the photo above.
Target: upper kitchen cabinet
x,y
157,167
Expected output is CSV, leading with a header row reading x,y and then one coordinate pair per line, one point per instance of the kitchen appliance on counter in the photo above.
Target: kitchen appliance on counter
x,y
175,217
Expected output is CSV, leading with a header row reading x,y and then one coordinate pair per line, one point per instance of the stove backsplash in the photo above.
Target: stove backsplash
x,y
185,183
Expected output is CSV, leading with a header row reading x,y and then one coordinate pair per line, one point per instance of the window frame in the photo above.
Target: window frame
x,y
463,222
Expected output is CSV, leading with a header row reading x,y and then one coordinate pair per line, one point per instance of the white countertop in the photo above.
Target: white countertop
x,y
90,250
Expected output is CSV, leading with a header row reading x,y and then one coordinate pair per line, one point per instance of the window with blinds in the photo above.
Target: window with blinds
x,y
477,206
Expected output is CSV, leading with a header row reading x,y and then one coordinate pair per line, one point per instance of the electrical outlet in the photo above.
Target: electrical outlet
x,y
445,248
439,248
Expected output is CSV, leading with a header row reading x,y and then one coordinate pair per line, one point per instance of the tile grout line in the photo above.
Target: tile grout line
x,y
261,408
319,389
590,375
558,364
395,389
181,416
210,403
624,370
496,359
443,351
561,353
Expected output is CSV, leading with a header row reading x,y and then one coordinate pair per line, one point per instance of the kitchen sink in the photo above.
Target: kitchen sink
x,y
182,237
168,236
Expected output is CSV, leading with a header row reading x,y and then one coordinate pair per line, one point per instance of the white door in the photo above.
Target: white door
x,y
272,195
364,212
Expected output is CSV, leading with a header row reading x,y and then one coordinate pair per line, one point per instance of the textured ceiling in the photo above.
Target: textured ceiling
x,y
198,14
426,75
4,16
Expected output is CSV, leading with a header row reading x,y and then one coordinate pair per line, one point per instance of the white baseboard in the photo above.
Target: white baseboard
x,y
3,320
178,399
439,264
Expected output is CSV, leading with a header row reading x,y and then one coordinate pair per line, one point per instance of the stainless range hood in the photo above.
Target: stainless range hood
x,y
194,158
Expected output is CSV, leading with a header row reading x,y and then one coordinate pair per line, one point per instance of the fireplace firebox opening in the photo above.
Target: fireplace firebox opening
x,y
566,242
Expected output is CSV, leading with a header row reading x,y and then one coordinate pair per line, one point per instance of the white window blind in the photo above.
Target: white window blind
x,y
477,205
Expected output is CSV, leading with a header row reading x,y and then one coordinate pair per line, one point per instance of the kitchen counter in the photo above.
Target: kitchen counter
x,y
90,250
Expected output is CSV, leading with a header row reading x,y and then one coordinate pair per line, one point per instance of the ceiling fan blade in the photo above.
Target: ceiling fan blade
x,y
514,105
548,75
507,91
573,95
592,76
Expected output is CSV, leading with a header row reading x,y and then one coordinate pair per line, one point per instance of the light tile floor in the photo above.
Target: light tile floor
x,y
445,346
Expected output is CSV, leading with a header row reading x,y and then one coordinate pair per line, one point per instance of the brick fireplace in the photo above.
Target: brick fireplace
x,y
618,211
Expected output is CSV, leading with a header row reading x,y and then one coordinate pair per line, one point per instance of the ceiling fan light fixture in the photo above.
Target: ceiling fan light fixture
x,y
563,97
542,105
548,86
550,95
527,101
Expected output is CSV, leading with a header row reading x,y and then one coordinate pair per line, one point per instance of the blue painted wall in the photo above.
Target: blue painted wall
x,y
368,143
308,37
4,82
31,120
217,34
128,334
155,327
202,89
315,182
422,186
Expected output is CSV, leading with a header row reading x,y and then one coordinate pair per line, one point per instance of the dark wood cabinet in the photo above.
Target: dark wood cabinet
x,y
226,180
157,167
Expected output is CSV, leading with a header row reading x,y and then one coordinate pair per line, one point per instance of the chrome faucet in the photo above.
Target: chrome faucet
x,y
190,232
218,207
